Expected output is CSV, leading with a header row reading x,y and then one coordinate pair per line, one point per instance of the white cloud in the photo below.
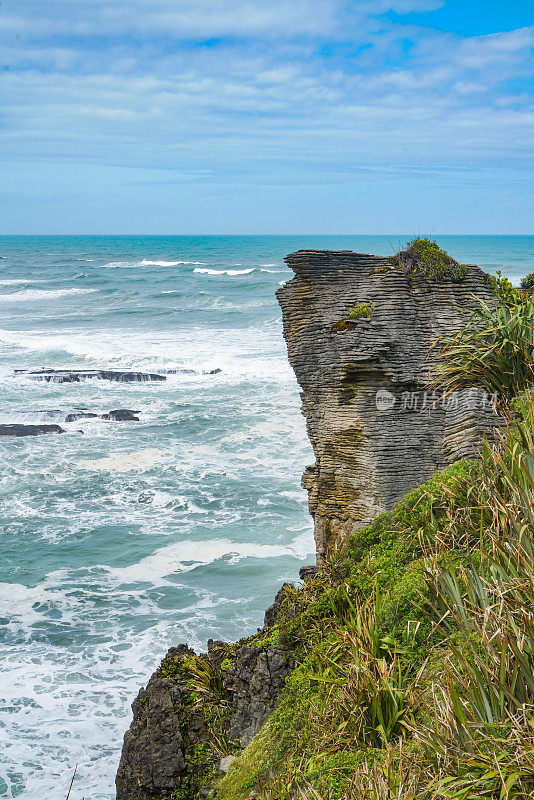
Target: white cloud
x,y
264,99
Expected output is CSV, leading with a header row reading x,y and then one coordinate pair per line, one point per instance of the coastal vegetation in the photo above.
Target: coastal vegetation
x,y
422,258
360,310
415,642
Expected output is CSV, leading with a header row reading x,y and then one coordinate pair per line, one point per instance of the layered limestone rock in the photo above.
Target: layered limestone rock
x,y
363,378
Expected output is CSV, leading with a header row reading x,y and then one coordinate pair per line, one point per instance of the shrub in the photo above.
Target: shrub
x,y
362,310
527,283
423,258
494,351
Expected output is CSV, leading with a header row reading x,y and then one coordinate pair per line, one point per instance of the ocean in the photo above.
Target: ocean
x,y
120,539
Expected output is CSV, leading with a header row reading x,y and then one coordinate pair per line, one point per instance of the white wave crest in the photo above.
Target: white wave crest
x,y
17,282
273,271
206,271
146,263
185,556
41,294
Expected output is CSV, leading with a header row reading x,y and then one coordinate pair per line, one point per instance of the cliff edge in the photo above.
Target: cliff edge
x,y
358,330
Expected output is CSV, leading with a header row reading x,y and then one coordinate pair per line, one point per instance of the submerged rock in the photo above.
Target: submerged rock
x,y
29,430
192,372
75,376
80,415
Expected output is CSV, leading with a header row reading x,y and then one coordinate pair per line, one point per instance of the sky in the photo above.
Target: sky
x,y
266,116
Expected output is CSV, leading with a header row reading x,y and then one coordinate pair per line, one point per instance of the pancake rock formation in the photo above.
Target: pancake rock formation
x,y
358,330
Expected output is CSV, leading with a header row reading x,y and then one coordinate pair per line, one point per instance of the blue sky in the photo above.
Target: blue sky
x,y
266,116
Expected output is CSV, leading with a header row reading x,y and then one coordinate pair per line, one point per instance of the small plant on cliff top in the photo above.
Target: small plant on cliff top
x,y
423,258
362,310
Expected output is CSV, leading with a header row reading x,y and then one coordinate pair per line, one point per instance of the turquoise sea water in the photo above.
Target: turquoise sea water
x,y
127,538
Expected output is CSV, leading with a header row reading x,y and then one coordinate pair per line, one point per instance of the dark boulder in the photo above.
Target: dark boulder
x,y
29,430
169,749
152,762
76,376
272,612
122,415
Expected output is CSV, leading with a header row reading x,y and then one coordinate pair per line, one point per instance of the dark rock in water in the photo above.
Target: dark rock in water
x,y
80,415
181,371
47,411
168,751
192,372
122,415
152,761
28,430
75,376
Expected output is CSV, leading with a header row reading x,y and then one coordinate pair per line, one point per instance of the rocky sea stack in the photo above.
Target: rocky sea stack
x,y
365,379
359,329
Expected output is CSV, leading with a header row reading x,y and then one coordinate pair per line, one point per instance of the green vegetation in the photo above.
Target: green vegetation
x,y
527,283
381,270
495,350
415,643
424,259
362,310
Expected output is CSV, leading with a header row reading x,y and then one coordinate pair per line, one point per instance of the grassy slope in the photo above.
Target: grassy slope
x,y
367,608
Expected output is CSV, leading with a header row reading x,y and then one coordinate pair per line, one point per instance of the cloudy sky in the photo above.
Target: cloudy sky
x,y
267,116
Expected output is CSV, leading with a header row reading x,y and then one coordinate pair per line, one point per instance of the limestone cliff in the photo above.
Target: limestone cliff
x,y
363,379
358,330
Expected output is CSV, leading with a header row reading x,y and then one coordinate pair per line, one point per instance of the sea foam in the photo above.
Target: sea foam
x,y
41,294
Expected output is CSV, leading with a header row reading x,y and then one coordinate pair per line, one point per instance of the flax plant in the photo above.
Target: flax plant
x,y
483,734
494,351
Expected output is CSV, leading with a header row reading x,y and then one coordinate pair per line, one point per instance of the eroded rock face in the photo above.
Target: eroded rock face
x,y
371,448
152,762
168,750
